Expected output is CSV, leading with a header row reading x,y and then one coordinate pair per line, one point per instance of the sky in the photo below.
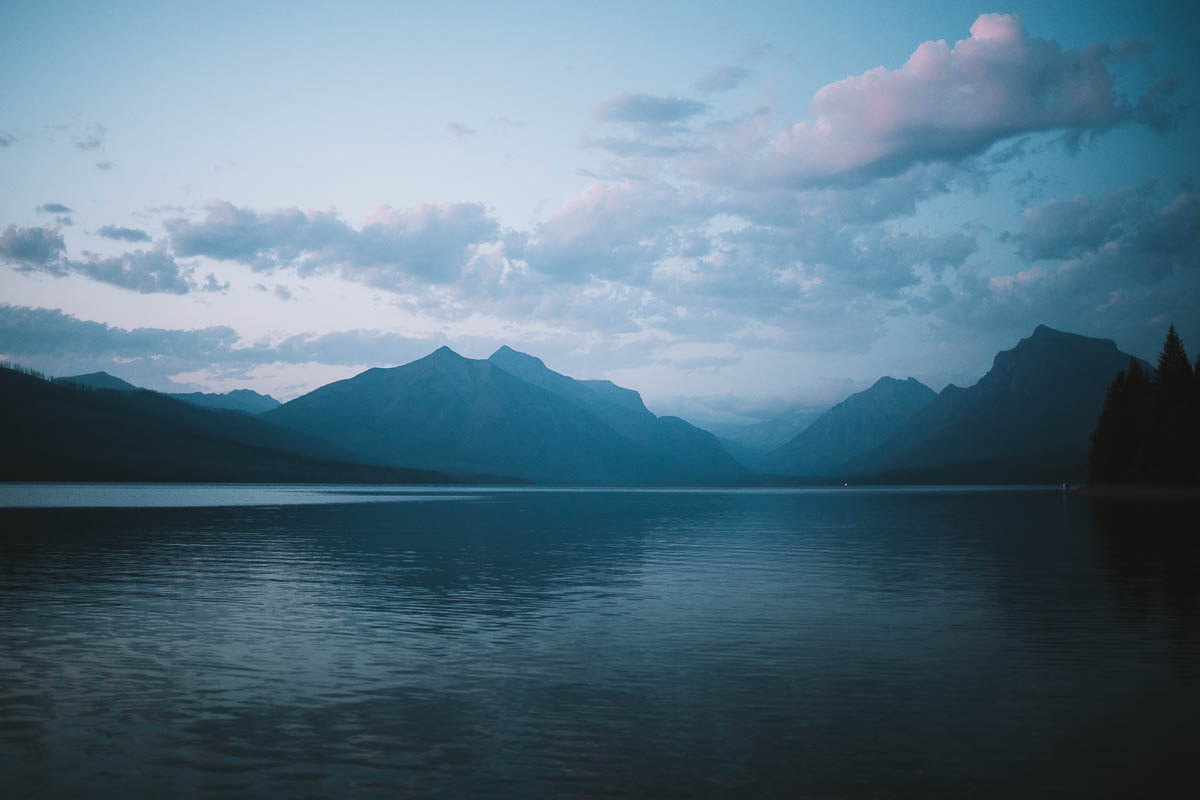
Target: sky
x,y
734,208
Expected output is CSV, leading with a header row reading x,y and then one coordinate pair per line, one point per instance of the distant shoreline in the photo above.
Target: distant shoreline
x,y
1140,492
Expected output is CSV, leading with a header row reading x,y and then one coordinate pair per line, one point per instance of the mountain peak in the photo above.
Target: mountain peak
x,y
99,380
443,352
1044,337
506,356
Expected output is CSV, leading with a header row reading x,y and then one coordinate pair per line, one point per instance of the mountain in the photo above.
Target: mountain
x,y
245,400
754,440
467,415
1028,418
68,431
857,424
675,451
99,380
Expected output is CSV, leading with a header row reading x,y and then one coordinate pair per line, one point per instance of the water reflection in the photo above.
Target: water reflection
x,y
599,644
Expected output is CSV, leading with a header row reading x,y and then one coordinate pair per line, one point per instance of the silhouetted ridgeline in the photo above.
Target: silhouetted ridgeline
x,y
238,400
62,432
510,415
1149,429
855,425
1028,419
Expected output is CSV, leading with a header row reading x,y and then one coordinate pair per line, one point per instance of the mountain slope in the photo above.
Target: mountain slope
x,y
59,431
465,415
452,413
674,451
857,424
754,440
99,380
1034,410
245,400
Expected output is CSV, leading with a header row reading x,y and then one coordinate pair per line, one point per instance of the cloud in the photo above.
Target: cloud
x,y
431,242
613,231
53,208
143,271
62,344
653,147
645,108
1173,230
721,79
1114,279
91,138
755,49
458,130
211,284
944,104
123,234
6,139
37,333
32,248
42,249
105,165
1069,227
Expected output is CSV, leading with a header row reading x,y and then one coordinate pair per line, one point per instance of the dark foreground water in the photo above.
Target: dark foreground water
x,y
598,644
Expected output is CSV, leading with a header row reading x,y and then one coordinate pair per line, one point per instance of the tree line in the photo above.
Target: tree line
x,y
1149,429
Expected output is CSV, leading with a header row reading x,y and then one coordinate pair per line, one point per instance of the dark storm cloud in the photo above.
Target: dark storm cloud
x,y
123,234
646,108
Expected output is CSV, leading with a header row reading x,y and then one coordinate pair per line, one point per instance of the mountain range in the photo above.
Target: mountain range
x,y
245,400
507,415
1028,418
67,431
444,415
857,424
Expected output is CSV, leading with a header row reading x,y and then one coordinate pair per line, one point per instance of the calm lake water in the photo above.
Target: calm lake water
x,y
325,642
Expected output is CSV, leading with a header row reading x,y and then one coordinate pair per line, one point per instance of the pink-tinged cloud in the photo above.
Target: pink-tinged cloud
x,y
947,103
613,230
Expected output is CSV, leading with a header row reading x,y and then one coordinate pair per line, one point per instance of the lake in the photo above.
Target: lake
x,y
476,642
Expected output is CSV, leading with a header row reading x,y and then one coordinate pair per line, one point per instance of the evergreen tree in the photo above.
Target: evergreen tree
x,y
1109,441
1174,371
1172,413
1149,428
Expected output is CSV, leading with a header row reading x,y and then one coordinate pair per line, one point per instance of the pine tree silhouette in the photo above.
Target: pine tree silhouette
x,y
1149,428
